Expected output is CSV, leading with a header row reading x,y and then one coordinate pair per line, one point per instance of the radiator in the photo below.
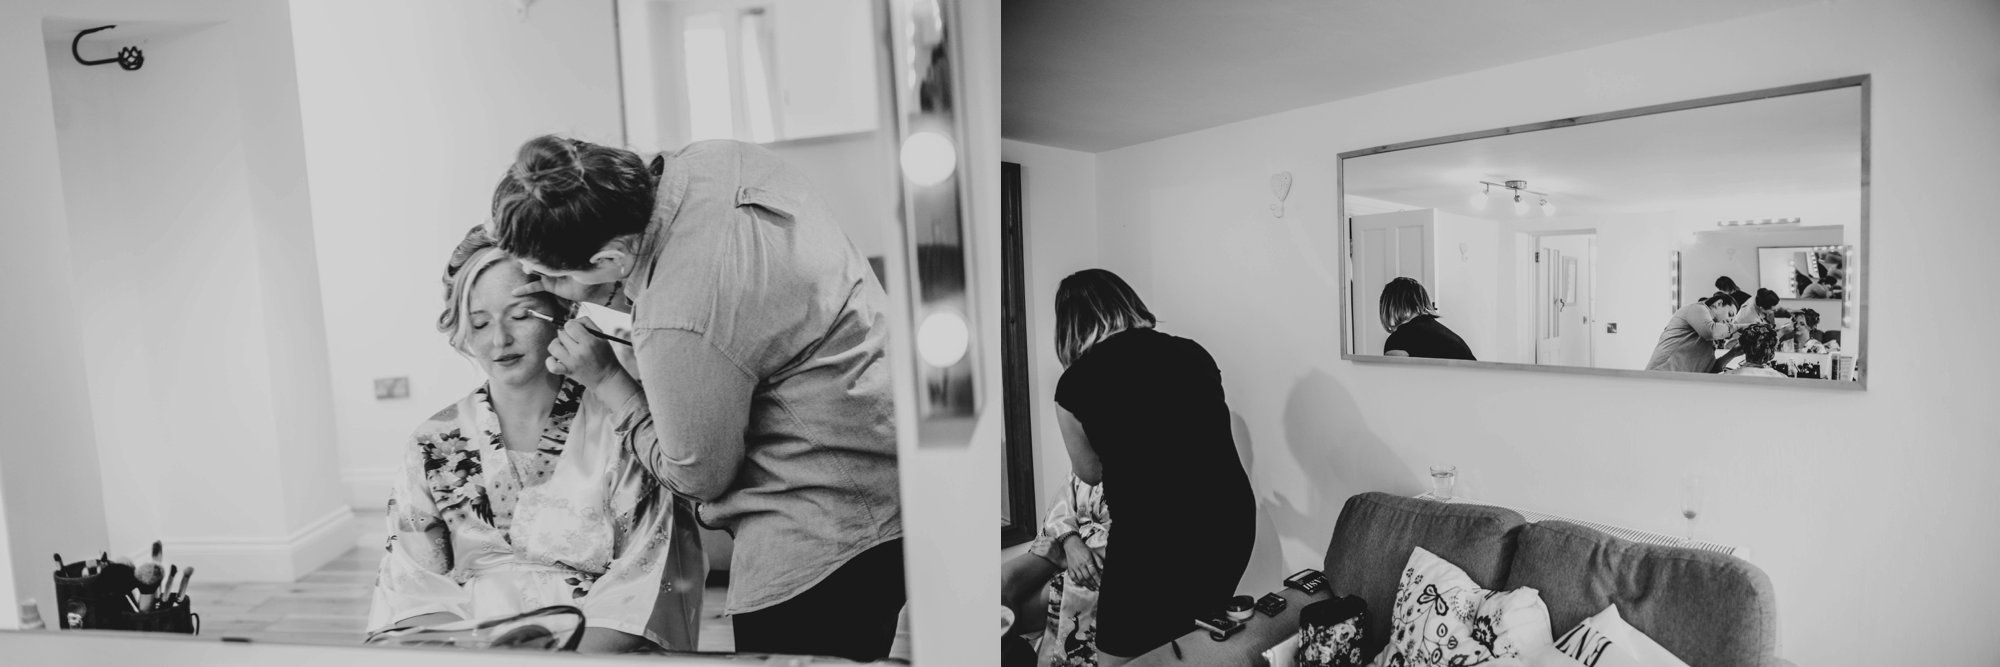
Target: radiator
x,y
1635,535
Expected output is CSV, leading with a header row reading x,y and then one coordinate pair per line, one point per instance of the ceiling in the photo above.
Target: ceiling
x,y
1094,75
1784,147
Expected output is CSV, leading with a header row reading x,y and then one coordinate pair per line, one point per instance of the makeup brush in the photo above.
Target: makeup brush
x,y
593,332
180,593
60,565
149,576
167,586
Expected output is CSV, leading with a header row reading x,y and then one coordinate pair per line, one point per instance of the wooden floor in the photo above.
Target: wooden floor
x,y
330,606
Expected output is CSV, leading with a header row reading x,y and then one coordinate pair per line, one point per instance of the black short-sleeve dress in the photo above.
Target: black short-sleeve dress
x,y
1152,407
1424,336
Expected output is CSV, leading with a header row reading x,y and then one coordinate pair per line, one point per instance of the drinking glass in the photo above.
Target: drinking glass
x,y
1442,480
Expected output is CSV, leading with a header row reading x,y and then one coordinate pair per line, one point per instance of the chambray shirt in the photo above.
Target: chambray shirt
x,y
761,335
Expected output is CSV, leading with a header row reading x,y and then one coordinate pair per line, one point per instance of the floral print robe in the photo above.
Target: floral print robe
x,y
481,532
1070,639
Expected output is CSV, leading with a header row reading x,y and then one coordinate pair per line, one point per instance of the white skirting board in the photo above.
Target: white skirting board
x,y
230,560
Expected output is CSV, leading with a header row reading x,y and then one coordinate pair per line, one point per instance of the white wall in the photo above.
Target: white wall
x,y
155,181
1467,292
1059,216
225,233
1853,514
404,140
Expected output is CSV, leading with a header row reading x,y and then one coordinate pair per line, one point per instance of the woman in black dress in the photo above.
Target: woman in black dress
x,y
1142,413
1413,325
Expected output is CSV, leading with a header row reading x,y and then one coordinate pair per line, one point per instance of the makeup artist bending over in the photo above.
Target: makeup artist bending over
x,y
1142,413
522,495
761,336
1687,344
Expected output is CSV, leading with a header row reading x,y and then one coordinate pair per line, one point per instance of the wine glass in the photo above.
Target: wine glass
x,y
1690,502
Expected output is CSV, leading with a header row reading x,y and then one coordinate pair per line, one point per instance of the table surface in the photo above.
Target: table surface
x,y
1246,648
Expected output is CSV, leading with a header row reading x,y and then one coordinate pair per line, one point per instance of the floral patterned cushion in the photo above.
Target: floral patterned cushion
x,y
1442,619
1330,633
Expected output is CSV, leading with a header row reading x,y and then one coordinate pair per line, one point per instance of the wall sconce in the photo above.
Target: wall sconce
x,y
1756,223
1521,195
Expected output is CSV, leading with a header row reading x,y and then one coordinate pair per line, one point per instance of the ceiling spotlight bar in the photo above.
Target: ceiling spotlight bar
x,y
1519,187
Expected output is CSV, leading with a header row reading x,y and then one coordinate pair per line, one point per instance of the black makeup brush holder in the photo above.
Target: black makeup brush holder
x,y
178,617
98,602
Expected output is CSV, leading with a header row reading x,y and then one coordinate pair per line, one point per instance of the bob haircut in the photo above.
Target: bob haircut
x,y
1091,305
474,255
1403,299
563,199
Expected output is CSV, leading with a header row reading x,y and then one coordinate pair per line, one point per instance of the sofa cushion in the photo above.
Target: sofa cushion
x,y
1606,640
1442,618
1376,532
1705,607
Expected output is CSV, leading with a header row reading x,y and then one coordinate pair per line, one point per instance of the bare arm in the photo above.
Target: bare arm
x,y
1082,459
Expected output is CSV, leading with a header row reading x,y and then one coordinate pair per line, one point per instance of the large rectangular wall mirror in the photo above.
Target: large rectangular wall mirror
x,y
1644,242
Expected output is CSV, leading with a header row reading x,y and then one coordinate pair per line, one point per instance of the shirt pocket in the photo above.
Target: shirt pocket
x,y
777,202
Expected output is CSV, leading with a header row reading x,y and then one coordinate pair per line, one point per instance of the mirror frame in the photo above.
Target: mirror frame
x,y
1859,259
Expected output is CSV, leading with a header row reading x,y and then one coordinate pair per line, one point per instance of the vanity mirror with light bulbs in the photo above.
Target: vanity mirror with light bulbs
x,y
1578,245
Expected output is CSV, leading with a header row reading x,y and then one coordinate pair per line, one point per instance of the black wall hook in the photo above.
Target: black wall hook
x,y
129,57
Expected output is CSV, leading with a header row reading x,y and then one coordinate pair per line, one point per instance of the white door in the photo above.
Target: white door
x,y
1386,246
1563,299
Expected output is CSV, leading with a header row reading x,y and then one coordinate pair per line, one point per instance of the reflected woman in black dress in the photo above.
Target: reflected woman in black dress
x,y
1142,413
1414,330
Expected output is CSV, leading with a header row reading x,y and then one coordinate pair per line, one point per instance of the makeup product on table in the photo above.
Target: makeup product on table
x,y
1219,628
594,332
1241,608
1272,604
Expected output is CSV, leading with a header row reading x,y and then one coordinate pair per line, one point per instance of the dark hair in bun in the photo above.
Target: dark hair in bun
x,y
563,199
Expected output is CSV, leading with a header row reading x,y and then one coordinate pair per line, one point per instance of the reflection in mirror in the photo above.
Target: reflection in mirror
x,y
1628,242
328,445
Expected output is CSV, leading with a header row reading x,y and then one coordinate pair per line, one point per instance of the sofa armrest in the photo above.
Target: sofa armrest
x,y
1246,648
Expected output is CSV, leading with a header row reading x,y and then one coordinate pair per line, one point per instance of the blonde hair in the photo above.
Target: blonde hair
x,y
474,255
1403,299
1091,305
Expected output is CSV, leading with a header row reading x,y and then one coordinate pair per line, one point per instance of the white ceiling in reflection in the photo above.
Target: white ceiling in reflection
x,y
1798,145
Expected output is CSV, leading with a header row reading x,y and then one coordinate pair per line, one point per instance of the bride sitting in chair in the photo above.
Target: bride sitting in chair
x,y
518,496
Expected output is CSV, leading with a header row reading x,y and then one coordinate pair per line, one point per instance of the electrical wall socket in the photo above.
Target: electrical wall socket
x,y
395,387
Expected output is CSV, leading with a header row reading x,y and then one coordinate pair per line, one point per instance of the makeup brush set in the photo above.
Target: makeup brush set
x,y
126,593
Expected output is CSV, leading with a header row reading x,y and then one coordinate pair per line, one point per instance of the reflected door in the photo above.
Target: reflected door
x,y
1563,299
1387,246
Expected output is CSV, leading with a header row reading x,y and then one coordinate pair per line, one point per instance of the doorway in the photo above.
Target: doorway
x,y
1565,270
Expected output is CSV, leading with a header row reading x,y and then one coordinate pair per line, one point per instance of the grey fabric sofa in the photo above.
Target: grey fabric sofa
x,y
1709,609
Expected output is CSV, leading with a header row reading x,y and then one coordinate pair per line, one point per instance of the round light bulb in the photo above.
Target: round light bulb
x,y
928,158
943,338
